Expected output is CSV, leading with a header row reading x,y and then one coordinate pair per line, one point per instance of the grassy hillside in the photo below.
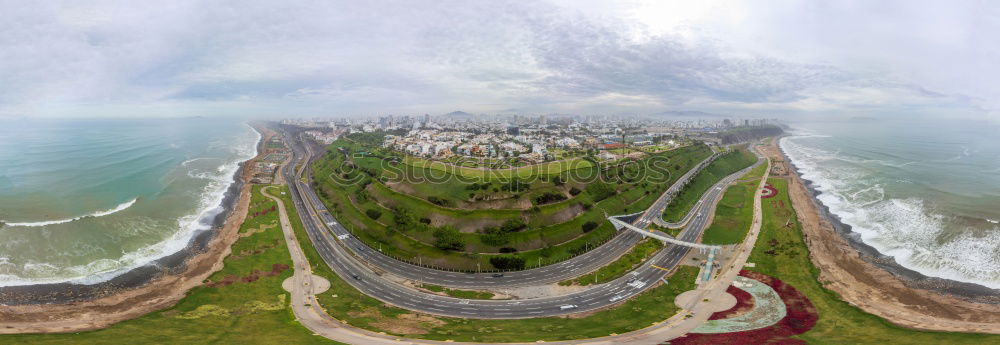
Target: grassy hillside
x,y
781,252
242,311
353,181
727,164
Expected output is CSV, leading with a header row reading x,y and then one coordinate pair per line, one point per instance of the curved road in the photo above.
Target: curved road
x,y
357,274
314,318
579,265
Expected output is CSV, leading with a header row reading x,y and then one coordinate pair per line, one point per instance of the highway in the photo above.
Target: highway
x,y
362,277
567,269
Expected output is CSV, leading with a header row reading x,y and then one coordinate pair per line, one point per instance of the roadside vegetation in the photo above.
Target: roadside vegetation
x,y
782,253
467,294
425,225
241,304
734,212
726,164
626,263
349,305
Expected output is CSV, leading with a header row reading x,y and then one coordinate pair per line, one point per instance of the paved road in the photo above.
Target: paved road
x,y
587,262
322,324
361,277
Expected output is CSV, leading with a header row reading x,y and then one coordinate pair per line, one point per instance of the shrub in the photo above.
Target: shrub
x,y
549,197
447,238
508,250
494,236
425,220
507,262
373,213
588,226
574,191
404,218
438,201
513,225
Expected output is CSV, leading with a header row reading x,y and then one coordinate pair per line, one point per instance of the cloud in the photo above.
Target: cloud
x,y
315,58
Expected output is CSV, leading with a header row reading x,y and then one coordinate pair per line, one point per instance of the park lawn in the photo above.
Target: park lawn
x,y
734,213
538,246
720,168
349,305
547,168
466,294
244,313
642,251
560,246
782,253
456,190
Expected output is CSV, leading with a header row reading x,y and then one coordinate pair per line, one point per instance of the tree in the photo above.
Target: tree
x,y
513,225
494,236
507,262
404,218
588,226
447,238
373,213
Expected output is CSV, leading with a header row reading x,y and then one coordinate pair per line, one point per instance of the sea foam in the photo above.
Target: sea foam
x,y
121,207
904,228
209,205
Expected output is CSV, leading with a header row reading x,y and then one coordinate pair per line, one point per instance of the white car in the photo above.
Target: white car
x,y
638,284
616,298
568,306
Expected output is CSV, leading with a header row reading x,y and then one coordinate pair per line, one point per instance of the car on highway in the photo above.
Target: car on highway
x,y
637,284
567,307
497,275
616,298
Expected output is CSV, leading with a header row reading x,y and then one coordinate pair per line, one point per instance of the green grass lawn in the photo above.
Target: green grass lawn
x,y
547,168
781,252
241,313
713,173
349,305
541,243
621,266
467,294
734,213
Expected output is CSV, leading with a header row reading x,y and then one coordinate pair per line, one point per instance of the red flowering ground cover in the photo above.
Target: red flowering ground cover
x,y
744,303
265,211
801,317
769,192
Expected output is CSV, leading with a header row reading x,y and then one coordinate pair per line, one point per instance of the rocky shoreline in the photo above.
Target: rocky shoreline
x,y
913,279
176,263
67,307
864,278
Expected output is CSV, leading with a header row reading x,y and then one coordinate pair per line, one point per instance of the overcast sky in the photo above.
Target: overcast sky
x,y
319,58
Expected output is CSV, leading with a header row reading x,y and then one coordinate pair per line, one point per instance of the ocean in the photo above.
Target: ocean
x,y
926,192
83,201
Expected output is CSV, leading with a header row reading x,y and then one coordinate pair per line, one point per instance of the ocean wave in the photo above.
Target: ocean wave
x,y
838,155
904,228
209,205
116,209
192,160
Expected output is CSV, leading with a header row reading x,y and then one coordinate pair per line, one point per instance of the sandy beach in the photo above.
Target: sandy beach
x,y
67,307
875,283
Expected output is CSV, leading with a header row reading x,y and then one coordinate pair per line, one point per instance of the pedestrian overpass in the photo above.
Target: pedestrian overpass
x,y
662,236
